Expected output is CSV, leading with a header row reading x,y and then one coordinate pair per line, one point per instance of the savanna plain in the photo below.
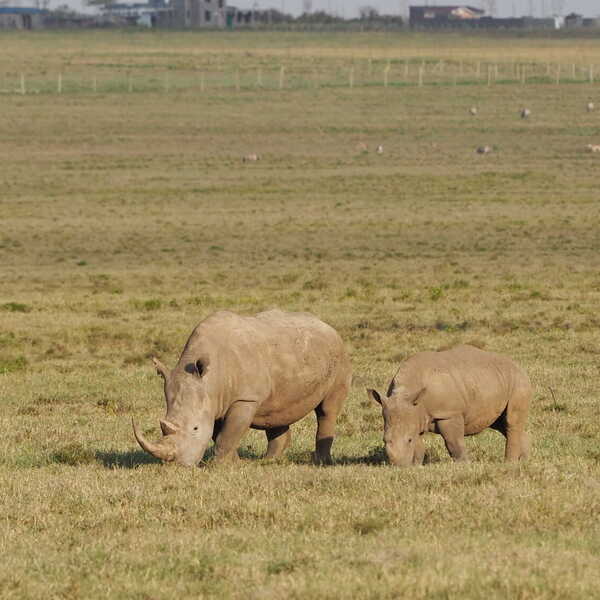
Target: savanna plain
x,y
127,215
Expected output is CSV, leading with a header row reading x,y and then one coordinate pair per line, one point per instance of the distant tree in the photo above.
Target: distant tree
x,y
369,13
99,3
319,17
272,16
64,9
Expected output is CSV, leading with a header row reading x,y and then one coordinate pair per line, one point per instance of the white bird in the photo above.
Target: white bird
x,y
593,148
379,149
483,149
251,158
525,113
590,106
473,111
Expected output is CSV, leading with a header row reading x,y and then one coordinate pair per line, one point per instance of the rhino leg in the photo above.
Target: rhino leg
x,y
327,413
511,424
279,439
419,452
236,423
217,429
453,432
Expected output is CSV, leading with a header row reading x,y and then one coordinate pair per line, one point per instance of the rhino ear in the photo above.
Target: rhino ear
x,y
160,368
374,395
200,368
391,388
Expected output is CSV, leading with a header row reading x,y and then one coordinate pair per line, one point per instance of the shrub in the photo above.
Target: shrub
x,y
16,307
73,454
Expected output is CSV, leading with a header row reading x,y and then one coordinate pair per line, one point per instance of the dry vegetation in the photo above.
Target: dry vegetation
x,y
126,218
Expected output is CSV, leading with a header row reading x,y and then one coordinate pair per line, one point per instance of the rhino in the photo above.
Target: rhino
x,y
456,392
262,372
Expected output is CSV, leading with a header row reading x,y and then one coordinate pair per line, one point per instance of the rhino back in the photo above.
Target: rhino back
x,y
468,381
283,361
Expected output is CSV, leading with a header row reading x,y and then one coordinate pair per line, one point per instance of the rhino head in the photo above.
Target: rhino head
x,y
404,421
188,425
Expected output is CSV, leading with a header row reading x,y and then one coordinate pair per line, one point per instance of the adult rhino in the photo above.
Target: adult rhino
x,y
455,392
264,372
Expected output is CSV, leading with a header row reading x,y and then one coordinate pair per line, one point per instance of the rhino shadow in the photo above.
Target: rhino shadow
x,y
124,460
377,456
135,458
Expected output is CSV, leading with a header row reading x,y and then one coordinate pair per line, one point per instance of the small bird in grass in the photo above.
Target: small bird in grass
x,y
473,111
379,149
483,149
590,106
525,113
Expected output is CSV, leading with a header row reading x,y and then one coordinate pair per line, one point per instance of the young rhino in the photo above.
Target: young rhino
x,y
455,392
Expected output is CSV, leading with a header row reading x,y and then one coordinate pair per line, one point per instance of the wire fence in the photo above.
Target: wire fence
x,y
364,73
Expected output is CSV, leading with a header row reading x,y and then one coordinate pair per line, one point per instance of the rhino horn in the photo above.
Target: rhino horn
x,y
168,428
156,450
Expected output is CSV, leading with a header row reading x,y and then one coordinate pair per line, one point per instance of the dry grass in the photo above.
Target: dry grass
x,y
128,218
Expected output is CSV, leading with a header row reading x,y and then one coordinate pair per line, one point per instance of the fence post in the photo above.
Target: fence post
x,y
259,77
573,71
523,74
495,72
420,76
591,73
202,81
351,77
489,74
237,80
558,74
281,75
167,83
59,84
386,72
22,84
478,70
129,83
406,69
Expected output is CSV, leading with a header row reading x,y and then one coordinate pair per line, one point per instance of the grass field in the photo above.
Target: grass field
x,y
127,218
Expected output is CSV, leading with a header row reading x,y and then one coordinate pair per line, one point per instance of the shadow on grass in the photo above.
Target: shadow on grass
x,y
377,456
125,460
133,459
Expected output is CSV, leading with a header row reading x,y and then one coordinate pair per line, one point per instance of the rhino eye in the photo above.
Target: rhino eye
x,y
409,440
196,428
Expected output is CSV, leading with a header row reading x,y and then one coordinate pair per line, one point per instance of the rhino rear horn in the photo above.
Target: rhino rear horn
x,y
168,428
156,450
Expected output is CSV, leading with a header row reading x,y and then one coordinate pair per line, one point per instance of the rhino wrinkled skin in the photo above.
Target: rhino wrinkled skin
x,y
455,393
264,372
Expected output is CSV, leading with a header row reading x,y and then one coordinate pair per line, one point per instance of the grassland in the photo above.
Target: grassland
x,y
128,217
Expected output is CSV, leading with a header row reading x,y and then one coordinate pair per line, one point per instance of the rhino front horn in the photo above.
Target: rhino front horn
x,y
156,450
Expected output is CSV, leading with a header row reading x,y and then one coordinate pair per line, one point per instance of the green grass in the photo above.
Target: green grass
x,y
127,218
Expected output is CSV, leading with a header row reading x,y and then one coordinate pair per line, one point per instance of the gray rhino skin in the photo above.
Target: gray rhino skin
x,y
264,372
455,392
